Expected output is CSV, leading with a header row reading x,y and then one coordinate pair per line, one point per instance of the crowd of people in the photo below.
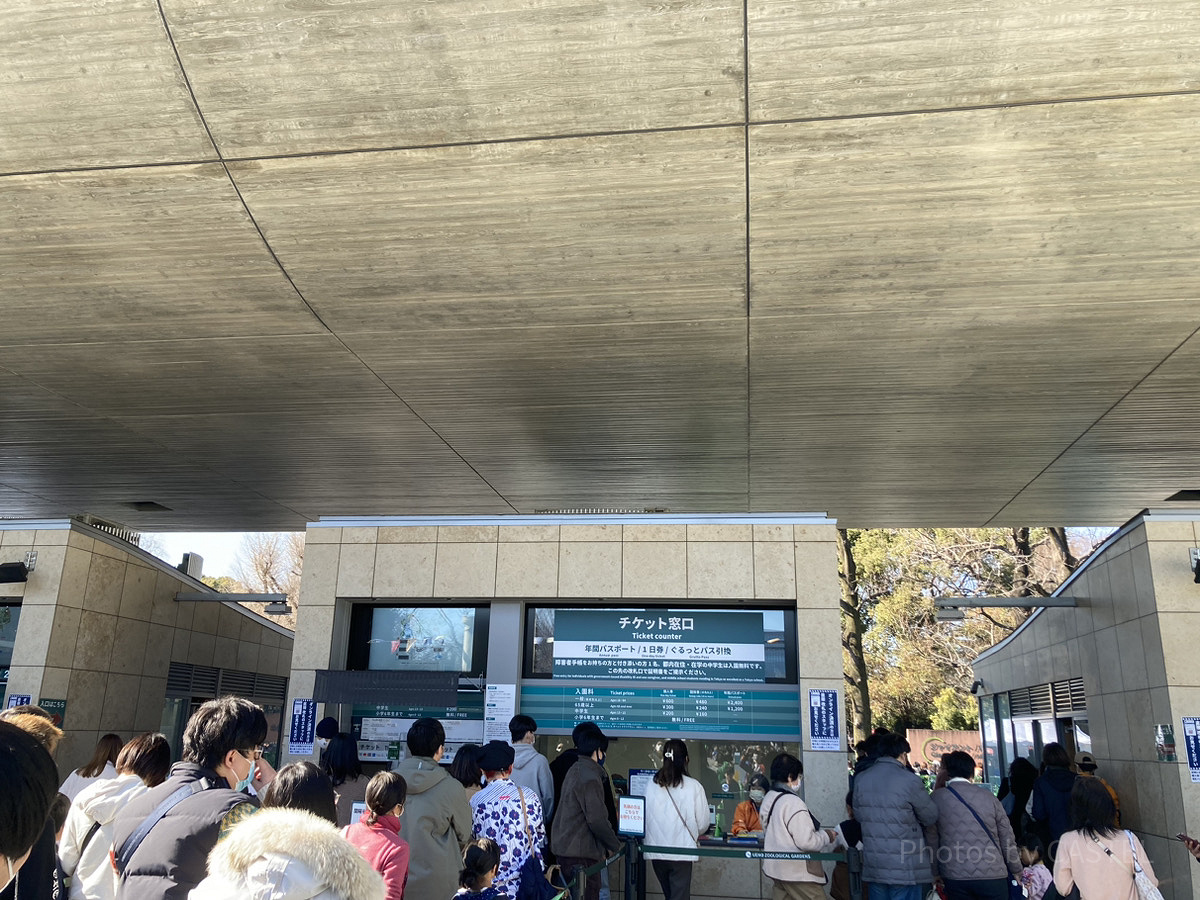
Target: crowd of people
x,y
222,823
1047,834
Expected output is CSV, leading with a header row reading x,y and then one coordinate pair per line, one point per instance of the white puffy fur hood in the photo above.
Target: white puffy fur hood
x,y
287,854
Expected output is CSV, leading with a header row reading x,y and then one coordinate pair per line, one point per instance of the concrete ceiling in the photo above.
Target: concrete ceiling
x,y
929,263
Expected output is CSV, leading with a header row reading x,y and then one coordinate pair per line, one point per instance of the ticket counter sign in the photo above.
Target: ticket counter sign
x,y
660,645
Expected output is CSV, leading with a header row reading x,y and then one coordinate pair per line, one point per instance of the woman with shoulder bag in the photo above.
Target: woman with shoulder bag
x,y
1097,857
676,815
790,827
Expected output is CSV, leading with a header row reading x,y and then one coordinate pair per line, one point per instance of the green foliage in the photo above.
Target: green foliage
x,y
955,711
226,584
919,669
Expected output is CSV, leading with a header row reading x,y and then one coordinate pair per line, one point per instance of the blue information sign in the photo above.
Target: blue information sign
x,y
19,700
304,724
1191,740
772,715
824,722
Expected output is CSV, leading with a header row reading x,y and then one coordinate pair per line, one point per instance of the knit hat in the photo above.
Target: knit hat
x,y
496,756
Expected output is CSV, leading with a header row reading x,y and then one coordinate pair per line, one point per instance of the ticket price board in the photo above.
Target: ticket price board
x,y
661,645
388,725
773,715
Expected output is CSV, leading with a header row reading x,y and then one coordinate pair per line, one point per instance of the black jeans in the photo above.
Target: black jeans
x,y
977,889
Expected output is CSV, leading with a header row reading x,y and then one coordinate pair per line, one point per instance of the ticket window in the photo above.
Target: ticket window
x,y
722,767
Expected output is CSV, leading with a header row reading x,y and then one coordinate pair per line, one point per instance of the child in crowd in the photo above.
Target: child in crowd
x,y
481,862
1035,877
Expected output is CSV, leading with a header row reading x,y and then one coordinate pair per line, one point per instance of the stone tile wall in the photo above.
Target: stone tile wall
x,y
100,627
1132,640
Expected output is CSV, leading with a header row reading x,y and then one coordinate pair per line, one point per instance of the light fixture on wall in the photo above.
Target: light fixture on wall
x,y
976,687
277,604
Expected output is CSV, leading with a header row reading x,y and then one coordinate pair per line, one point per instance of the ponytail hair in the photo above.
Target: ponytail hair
x,y
385,791
674,767
479,859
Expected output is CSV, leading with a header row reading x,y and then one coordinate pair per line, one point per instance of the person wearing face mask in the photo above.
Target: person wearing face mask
x,y
327,730
162,839
790,827
745,818
28,785
582,834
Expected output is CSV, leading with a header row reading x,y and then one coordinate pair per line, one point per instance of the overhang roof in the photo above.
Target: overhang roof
x,y
929,264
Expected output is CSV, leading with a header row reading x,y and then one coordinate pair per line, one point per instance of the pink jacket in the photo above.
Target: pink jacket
x,y
384,849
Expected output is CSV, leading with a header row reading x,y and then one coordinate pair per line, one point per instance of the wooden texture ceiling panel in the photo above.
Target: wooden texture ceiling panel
x,y
933,265
137,254
590,230
852,58
92,84
274,77
922,388
628,416
258,375
1073,204
316,461
1138,454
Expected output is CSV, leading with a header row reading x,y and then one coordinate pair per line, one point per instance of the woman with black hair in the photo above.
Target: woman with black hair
x,y
790,827
142,764
745,817
341,763
676,815
302,785
1096,856
291,849
1015,790
28,785
1050,801
465,769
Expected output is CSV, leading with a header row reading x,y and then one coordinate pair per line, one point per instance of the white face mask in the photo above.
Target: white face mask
x,y
322,743
12,872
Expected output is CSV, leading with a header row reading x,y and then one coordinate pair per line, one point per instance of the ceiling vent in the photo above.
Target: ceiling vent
x,y
1184,497
148,506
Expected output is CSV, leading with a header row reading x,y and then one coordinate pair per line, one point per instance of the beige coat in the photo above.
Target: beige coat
x,y
788,827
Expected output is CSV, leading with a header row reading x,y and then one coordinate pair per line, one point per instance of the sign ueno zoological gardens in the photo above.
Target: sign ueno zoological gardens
x,y
659,644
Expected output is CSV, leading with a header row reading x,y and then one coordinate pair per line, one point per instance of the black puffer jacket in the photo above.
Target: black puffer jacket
x,y
172,859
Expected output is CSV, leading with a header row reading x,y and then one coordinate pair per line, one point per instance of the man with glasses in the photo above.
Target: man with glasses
x,y
163,838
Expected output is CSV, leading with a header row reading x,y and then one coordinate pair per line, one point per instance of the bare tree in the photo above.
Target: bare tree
x,y
270,562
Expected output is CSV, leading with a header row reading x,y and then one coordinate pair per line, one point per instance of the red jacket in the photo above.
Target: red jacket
x,y
384,849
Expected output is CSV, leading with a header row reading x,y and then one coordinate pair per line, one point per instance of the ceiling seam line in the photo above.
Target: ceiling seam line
x,y
618,132
288,277
746,175
1097,421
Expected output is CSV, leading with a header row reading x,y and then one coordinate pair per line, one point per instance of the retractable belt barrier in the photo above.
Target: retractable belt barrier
x,y
743,853
727,852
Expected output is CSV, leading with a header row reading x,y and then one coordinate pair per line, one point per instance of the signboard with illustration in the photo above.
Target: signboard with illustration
x,y
928,746
660,645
